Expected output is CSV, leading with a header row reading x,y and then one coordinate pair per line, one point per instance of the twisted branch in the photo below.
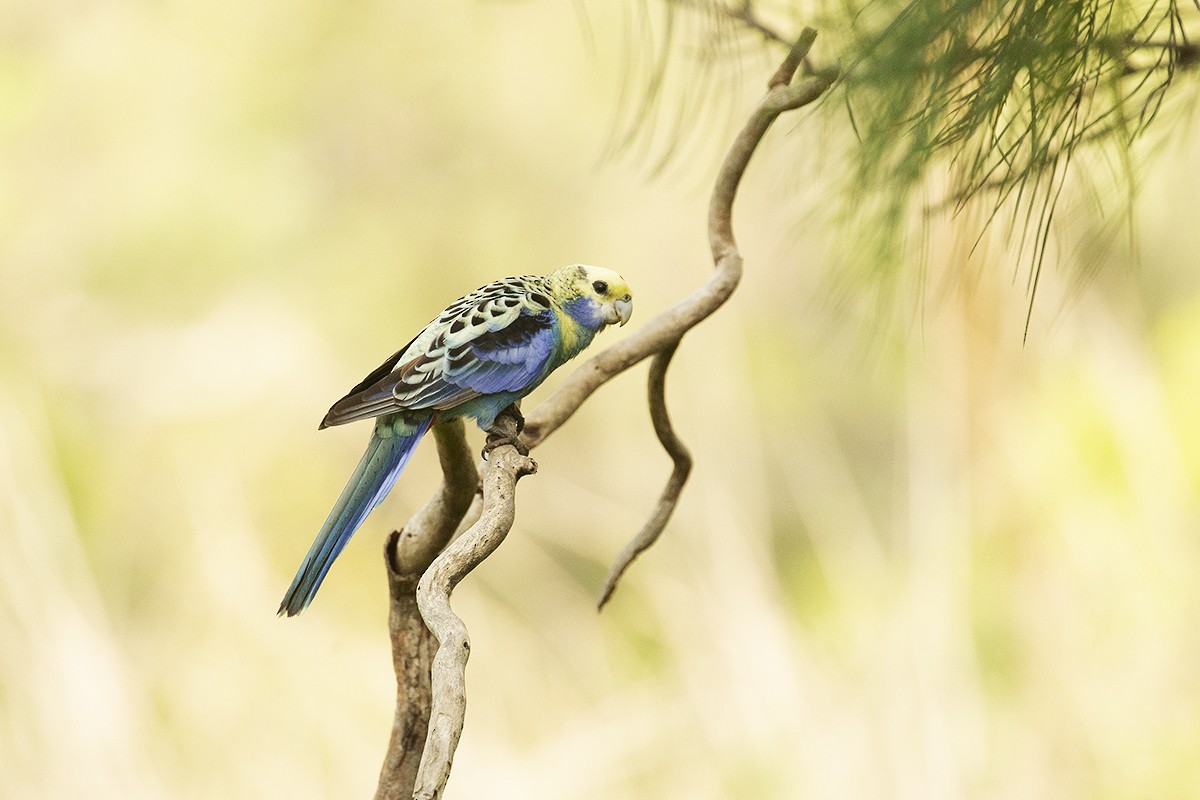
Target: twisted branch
x,y
407,554
667,328
678,451
448,672
444,697
662,333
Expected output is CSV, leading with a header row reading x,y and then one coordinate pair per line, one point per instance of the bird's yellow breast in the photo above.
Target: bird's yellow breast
x,y
571,334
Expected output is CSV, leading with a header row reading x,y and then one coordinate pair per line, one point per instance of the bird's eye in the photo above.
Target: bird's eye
x,y
600,286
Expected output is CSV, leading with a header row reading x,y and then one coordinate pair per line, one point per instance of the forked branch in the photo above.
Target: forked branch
x,y
433,526
408,553
448,673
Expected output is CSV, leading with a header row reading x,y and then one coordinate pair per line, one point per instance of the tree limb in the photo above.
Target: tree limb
x,y
662,333
412,656
667,328
438,707
407,554
448,673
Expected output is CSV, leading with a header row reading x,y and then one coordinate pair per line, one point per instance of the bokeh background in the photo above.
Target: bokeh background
x,y
919,556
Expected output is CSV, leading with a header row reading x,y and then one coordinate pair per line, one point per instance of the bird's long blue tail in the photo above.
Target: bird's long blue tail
x,y
391,445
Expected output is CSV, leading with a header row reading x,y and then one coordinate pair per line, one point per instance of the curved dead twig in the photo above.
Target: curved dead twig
x,y
667,328
413,647
448,672
407,555
678,451
662,334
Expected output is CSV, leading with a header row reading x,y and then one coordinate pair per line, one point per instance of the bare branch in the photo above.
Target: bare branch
x,y
795,57
659,332
448,677
666,328
678,451
431,696
407,554
412,655
781,96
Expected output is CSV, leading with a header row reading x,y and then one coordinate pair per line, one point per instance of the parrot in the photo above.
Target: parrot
x,y
475,359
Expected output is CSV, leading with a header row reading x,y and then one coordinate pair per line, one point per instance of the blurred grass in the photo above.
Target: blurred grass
x,y
916,560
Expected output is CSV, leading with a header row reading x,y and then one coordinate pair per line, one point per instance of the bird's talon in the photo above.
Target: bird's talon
x,y
499,441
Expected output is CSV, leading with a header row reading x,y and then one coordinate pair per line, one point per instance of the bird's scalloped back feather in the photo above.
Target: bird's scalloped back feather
x,y
499,338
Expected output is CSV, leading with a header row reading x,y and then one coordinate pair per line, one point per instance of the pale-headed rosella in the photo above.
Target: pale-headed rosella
x,y
480,356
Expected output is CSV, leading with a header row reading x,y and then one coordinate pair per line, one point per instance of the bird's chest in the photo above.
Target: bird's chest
x,y
572,337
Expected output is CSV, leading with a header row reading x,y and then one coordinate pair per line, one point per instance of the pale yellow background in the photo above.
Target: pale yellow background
x,y
917,559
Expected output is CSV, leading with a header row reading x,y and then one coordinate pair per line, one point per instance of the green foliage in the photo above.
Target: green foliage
x,y
1004,96
951,104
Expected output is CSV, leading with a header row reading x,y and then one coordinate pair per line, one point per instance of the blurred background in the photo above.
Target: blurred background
x,y
919,557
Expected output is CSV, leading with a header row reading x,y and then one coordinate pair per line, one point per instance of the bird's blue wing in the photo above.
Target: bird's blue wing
x,y
511,358
498,339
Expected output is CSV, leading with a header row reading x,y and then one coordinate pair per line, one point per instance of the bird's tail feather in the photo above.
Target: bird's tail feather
x,y
372,479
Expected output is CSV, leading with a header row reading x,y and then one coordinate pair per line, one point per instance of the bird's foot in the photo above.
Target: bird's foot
x,y
494,441
506,430
513,412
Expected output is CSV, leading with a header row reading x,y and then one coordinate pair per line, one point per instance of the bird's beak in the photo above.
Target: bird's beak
x,y
624,310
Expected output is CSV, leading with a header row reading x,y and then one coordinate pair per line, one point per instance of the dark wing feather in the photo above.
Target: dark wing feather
x,y
343,410
510,359
458,358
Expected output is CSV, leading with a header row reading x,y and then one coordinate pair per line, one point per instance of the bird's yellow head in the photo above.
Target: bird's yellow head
x,y
602,291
